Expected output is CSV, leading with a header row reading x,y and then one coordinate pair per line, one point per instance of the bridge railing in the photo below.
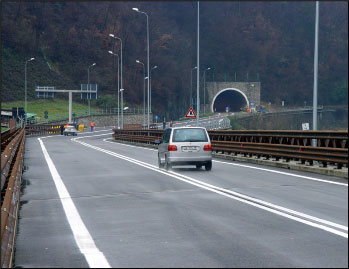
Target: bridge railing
x,y
11,176
42,129
332,146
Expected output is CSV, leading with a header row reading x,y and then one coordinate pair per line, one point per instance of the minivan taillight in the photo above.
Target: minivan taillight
x,y
172,148
208,148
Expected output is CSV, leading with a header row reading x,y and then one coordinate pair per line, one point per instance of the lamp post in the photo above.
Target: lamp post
x,y
122,108
191,86
154,67
25,89
137,10
115,37
117,55
198,71
89,87
205,88
137,61
314,142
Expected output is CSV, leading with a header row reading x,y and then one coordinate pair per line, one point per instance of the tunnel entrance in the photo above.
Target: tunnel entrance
x,y
232,98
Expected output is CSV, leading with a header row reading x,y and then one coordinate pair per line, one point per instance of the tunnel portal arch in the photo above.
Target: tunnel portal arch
x,y
228,95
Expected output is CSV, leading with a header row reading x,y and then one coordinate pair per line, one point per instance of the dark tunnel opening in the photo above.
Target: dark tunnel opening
x,y
229,98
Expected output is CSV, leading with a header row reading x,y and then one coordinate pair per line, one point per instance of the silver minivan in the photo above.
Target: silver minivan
x,y
185,146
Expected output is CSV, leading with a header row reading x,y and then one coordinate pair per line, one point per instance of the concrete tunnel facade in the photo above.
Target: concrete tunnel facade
x,y
234,95
232,98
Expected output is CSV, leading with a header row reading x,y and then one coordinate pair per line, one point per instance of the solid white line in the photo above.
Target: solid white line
x,y
219,190
290,211
84,240
251,198
90,136
258,168
105,140
96,131
284,173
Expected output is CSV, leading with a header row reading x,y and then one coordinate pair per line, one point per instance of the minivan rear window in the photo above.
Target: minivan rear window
x,y
189,135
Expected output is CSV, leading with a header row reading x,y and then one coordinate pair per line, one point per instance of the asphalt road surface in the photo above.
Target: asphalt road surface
x,y
90,202
216,121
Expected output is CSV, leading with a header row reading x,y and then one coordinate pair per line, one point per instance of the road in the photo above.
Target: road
x,y
216,121
90,202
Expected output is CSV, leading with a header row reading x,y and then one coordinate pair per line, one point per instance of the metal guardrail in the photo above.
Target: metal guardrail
x,y
324,138
11,176
42,129
332,146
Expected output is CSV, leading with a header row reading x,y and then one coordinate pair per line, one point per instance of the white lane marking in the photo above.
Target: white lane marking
x,y
256,200
262,169
290,211
96,131
84,240
220,191
284,173
105,140
90,136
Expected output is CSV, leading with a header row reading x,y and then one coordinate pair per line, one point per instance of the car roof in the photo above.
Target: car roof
x,y
189,127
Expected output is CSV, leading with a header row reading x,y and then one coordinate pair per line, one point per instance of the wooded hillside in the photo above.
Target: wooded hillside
x,y
271,42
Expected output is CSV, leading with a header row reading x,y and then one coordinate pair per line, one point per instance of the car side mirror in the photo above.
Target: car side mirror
x,y
157,141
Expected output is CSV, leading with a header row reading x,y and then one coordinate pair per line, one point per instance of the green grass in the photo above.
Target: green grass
x,y
3,129
57,108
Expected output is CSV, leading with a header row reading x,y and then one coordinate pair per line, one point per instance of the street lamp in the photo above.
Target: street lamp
x,y
198,71
154,67
25,90
137,61
115,37
89,87
137,10
191,86
314,141
117,55
205,88
122,108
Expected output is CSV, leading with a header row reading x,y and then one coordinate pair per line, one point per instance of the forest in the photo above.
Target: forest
x,y
271,42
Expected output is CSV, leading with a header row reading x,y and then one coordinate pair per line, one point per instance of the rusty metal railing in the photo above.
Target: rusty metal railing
x,y
11,176
42,129
332,146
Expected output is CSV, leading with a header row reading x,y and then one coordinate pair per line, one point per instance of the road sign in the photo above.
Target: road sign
x,y
190,113
305,126
89,92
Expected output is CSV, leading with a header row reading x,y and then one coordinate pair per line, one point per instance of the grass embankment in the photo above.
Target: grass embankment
x,y
56,108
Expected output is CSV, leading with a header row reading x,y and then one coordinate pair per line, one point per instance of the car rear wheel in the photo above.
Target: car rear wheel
x,y
208,166
161,165
168,166
198,166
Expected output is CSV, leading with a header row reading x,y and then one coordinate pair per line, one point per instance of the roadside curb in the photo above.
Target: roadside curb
x,y
291,165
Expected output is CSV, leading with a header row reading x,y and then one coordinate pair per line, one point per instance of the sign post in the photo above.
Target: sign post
x,y
49,92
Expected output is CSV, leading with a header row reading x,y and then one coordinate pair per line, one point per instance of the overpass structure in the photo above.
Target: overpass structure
x,y
49,92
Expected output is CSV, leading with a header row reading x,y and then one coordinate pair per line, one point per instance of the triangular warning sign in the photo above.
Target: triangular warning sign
x,y
190,113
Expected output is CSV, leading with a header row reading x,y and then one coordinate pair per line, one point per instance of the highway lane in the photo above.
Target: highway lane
x,y
216,121
141,216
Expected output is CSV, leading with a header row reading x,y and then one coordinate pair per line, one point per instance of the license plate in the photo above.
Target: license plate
x,y
189,148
